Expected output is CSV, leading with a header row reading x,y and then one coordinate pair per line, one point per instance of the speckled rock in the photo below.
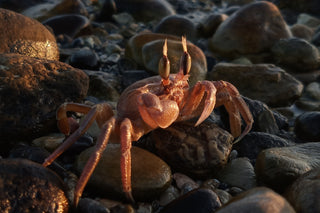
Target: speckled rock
x,y
36,88
248,32
150,175
304,193
279,167
196,151
146,10
296,54
258,200
264,82
177,25
29,187
307,126
26,36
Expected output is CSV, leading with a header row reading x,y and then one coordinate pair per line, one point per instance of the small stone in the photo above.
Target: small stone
x,y
279,167
209,26
84,59
264,82
240,173
199,200
87,205
29,187
25,36
313,90
307,126
195,151
296,54
303,194
184,183
251,30
258,200
302,31
150,175
308,20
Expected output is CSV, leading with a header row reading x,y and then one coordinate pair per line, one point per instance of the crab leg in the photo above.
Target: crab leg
x,y
229,96
125,161
190,104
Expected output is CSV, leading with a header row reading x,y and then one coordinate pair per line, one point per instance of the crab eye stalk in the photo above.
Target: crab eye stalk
x,y
164,64
185,61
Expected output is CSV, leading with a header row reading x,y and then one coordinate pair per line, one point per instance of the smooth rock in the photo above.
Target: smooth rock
x,y
251,30
178,26
263,82
25,36
209,25
29,187
84,59
147,10
279,167
308,20
304,193
152,52
296,54
196,151
240,173
313,90
199,200
302,31
31,91
257,200
150,175
67,24
307,126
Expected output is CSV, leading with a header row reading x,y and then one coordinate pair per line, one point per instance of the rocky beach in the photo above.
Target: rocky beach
x,y
90,51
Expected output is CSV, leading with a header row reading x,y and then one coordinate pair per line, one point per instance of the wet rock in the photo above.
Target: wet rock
x,y
196,151
177,25
258,200
297,54
303,194
84,59
240,173
248,32
29,187
36,88
279,167
26,36
199,200
147,10
302,31
103,85
150,175
209,26
152,52
67,24
264,82
49,9
255,142
307,126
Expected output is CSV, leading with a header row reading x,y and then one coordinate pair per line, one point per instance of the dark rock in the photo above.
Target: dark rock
x,y
26,36
87,205
84,59
196,151
32,90
199,200
29,187
307,126
209,26
258,200
302,31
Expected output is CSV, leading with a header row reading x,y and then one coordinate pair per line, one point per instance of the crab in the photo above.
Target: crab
x,y
148,104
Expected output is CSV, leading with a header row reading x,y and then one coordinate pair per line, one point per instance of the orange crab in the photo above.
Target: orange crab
x,y
146,105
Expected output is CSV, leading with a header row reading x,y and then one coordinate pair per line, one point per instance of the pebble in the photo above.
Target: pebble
x,y
302,31
266,27
297,54
36,88
265,82
308,20
84,59
303,194
199,200
258,200
307,126
211,23
279,167
196,151
150,175
29,187
25,36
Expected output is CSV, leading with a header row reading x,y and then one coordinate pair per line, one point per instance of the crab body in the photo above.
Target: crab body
x,y
146,105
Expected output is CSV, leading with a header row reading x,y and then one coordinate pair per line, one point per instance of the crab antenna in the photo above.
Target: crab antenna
x,y
185,61
164,65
